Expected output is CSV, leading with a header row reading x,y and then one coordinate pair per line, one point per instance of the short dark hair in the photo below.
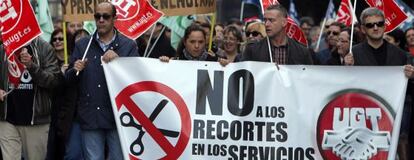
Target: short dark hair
x,y
339,24
54,33
307,20
205,25
280,8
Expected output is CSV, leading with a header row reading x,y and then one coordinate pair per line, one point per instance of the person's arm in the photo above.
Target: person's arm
x,y
46,73
133,52
76,56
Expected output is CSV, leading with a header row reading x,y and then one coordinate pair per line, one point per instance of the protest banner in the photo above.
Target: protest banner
x,y
79,10
251,110
184,7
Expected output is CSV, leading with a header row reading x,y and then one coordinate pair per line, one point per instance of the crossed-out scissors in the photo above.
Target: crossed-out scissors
x,y
127,120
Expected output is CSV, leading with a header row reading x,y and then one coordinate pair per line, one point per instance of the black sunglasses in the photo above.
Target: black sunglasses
x,y
57,38
254,33
98,16
372,25
331,32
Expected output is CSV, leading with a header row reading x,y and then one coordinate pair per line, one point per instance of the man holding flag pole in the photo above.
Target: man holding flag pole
x,y
94,110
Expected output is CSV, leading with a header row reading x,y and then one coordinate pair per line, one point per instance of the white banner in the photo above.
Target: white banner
x,y
251,110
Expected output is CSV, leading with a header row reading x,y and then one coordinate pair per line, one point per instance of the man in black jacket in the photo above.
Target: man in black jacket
x,y
375,51
283,49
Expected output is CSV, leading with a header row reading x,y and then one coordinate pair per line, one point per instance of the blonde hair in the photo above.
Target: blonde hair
x,y
257,26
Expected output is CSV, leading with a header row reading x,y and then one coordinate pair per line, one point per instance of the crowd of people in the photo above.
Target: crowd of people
x,y
63,111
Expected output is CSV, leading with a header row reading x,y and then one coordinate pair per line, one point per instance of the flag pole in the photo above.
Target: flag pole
x,y
352,25
242,11
320,35
86,52
149,40
65,43
156,41
213,22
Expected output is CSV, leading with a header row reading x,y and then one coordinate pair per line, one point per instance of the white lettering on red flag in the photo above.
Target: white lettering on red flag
x,y
17,29
394,16
135,17
292,29
344,14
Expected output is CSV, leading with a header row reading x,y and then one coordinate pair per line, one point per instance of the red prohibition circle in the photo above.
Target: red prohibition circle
x,y
123,98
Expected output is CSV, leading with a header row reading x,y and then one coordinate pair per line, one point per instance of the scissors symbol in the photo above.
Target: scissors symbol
x,y
127,120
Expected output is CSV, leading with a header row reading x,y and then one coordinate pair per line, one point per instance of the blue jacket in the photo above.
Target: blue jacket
x,y
94,104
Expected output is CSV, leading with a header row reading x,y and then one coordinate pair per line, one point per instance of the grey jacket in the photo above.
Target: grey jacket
x,y
45,73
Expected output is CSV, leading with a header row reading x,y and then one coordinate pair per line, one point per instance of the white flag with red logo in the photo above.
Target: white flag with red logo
x,y
135,17
15,70
394,16
18,24
344,14
292,29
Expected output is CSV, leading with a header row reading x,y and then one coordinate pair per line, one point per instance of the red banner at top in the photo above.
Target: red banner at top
x,y
18,24
394,16
292,29
135,17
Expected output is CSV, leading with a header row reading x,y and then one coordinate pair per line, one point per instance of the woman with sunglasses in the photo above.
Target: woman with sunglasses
x,y
56,41
255,31
64,133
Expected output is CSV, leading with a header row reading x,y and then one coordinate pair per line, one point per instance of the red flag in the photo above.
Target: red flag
x,y
135,17
394,16
292,29
344,14
18,24
15,70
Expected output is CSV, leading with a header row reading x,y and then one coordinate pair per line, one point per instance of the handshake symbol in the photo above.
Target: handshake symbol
x,y
356,143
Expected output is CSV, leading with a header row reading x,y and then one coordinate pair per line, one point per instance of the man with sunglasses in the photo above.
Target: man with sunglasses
x,y
332,36
94,106
283,50
375,51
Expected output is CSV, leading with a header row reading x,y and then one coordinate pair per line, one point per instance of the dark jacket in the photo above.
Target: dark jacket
x,y
45,73
259,51
335,59
93,101
363,55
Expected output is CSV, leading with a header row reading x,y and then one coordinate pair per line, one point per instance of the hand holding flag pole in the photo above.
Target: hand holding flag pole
x,y
349,59
86,51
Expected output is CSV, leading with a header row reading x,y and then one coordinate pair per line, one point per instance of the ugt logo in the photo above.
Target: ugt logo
x,y
126,9
355,124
